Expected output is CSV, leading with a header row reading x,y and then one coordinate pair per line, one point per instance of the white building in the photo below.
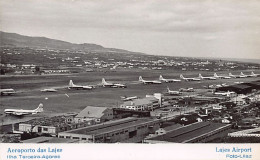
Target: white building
x,y
98,114
238,100
141,104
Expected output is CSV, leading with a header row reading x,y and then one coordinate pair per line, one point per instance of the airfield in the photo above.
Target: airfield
x,y
68,100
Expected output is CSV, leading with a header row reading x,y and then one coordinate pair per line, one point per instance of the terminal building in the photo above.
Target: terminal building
x,y
148,103
92,113
127,130
120,113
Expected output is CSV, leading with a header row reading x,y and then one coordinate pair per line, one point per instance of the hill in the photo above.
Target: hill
x,y
17,40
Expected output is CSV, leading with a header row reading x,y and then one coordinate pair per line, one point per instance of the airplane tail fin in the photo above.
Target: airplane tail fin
x,y
71,83
215,75
103,81
241,73
200,76
140,78
168,89
39,108
230,74
161,77
252,73
181,76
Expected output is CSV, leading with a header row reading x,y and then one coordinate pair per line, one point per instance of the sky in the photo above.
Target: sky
x,y
190,28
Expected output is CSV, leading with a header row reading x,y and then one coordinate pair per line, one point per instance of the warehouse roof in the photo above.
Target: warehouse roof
x,y
112,126
49,140
188,132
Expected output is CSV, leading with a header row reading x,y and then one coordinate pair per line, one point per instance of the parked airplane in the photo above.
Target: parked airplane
x,y
73,86
243,75
224,85
238,82
208,78
236,76
168,80
228,93
49,90
254,75
189,79
186,90
221,77
173,92
148,82
9,91
112,85
20,112
125,98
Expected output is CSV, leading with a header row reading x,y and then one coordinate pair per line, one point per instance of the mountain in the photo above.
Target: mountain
x,y
17,40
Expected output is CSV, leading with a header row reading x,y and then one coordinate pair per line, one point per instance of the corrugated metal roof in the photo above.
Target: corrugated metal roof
x,y
49,140
172,127
188,132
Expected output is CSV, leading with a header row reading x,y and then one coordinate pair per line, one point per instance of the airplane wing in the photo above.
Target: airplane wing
x,y
120,85
156,82
49,90
195,79
147,82
117,85
171,80
87,87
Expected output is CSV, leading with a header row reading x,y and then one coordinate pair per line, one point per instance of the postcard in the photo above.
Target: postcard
x,y
129,79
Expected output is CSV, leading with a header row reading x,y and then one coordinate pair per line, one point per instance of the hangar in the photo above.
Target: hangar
x,y
239,88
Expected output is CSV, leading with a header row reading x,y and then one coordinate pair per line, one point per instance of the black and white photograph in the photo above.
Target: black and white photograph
x,y
130,72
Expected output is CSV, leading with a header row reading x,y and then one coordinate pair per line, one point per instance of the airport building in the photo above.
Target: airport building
x,y
142,104
120,113
52,125
52,130
196,132
255,132
238,100
97,114
127,130
200,100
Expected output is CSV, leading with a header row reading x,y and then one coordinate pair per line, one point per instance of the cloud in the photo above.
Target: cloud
x,y
119,23
150,15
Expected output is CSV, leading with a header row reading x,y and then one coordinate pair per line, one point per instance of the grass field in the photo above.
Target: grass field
x,y
29,95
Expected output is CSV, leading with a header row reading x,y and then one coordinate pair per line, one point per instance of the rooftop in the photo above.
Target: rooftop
x,y
172,127
91,111
188,132
111,126
49,140
141,101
